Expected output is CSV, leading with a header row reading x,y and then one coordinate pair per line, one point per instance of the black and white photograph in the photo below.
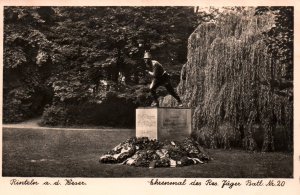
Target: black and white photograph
x,y
148,92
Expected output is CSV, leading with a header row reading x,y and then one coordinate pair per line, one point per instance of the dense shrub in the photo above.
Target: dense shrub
x,y
55,115
17,105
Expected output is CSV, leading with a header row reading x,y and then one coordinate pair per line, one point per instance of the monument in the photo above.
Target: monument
x,y
163,123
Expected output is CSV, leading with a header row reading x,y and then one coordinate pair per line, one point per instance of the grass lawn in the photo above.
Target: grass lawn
x,y
61,153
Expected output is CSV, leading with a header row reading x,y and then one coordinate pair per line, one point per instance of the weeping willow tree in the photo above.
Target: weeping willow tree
x,y
229,81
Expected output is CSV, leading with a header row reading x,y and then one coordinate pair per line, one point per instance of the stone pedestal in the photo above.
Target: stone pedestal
x,y
163,123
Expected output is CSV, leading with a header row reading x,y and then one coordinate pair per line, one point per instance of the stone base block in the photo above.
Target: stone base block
x,y
163,123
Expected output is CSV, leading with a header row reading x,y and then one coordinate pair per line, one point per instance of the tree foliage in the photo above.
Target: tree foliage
x,y
68,56
279,40
280,43
232,79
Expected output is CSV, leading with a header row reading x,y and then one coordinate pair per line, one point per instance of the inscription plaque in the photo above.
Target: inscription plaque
x,y
146,123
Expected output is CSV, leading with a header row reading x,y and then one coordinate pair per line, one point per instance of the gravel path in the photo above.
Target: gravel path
x,y
34,124
30,123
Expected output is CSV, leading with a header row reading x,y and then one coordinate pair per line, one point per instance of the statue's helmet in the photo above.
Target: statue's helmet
x,y
147,55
